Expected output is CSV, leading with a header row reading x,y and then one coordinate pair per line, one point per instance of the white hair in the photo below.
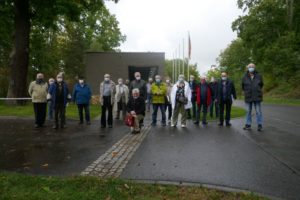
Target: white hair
x,y
135,90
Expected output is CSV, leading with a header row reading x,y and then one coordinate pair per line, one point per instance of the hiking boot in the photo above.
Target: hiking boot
x,y
196,122
220,124
247,127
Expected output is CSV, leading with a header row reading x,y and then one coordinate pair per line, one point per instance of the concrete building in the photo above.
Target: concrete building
x,y
122,65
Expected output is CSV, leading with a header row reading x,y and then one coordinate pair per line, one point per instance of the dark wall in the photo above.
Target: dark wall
x,y
117,65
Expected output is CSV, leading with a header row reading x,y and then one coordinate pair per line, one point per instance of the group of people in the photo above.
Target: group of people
x,y
186,98
56,94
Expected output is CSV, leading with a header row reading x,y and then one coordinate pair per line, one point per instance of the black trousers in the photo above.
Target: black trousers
x,y
60,114
168,107
40,110
216,106
224,104
107,106
86,108
201,107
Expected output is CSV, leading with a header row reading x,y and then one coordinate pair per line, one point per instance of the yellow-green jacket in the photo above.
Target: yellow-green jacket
x,y
158,92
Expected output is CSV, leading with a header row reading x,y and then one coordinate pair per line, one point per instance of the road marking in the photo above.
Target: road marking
x,y
114,160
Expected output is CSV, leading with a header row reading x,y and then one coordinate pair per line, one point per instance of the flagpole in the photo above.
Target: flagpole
x,y
183,56
173,71
189,54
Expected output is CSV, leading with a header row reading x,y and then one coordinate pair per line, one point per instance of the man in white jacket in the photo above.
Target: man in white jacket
x,y
180,100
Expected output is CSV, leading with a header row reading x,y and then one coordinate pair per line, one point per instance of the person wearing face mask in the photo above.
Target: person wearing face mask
x,y
193,85
149,96
214,105
204,99
38,90
81,96
225,93
136,107
140,84
121,99
107,99
159,92
181,100
252,85
60,96
168,105
50,104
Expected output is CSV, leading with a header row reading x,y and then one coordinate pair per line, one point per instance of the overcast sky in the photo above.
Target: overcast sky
x,y
161,25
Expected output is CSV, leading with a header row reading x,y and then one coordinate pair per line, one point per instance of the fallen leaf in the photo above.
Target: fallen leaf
x,y
114,154
126,186
45,165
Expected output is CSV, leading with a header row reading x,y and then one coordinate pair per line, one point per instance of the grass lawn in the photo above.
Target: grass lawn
x,y
27,110
282,101
18,186
236,112
72,112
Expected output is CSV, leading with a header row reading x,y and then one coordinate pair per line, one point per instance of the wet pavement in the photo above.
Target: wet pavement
x,y
266,162
47,151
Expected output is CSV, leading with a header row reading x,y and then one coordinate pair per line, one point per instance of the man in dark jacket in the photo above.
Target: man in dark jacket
x,y
214,105
225,93
193,86
81,96
59,95
203,100
252,84
140,84
136,107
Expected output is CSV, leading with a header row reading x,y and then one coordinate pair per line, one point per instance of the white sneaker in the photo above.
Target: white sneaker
x,y
173,125
183,126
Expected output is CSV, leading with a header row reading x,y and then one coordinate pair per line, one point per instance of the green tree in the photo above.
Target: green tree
x,y
269,37
26,15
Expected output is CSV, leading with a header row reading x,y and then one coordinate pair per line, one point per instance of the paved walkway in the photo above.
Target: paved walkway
x,y
267,162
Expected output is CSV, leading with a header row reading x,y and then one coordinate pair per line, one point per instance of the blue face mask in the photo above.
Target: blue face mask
x,y
251,69
157,80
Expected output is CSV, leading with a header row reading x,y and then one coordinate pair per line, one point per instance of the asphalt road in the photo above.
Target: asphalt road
x,y
266,163
53,152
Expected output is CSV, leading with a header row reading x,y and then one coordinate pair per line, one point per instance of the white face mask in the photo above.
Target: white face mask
x,y
120,83
81,81
224,78
251,69
106,79
167,81
138,78
59,80
180,79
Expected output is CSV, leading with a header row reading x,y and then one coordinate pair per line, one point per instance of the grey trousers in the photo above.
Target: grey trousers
x,y
179,109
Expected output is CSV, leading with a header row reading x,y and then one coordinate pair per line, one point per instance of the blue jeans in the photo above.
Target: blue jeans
x,y
162,110
50,110
257,107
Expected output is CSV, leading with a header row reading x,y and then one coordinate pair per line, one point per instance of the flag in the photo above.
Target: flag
x,y
190,46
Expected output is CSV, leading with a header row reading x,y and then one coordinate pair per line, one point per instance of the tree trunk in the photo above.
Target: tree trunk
x,y
19,56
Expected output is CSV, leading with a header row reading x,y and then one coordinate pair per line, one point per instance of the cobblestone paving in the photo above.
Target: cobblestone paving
x,y
115,159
